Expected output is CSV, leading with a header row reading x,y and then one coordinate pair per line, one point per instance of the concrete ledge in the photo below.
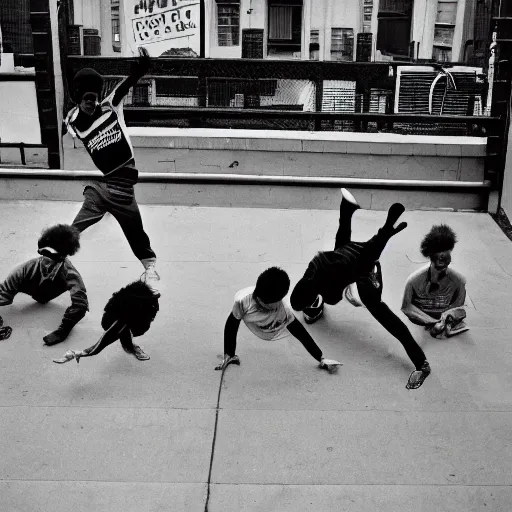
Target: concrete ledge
x,y
299,141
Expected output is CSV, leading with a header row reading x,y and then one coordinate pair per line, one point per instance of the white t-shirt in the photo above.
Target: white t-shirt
x,y
266,324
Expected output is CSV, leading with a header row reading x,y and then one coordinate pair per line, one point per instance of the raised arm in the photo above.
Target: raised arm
x,y
230,333
138,69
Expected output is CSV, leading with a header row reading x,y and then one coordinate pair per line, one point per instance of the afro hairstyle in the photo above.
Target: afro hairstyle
x,y
63,238
86,80
134,305
303,295
439,239
272,285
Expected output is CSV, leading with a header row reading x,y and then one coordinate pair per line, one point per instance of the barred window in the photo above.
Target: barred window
x,y
444,29
342,44
228,24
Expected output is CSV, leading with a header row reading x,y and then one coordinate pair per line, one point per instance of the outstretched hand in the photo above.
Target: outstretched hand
x,y
143,53
141,66
228,360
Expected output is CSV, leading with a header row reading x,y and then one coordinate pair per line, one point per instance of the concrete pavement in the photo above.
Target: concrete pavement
x,y
115,434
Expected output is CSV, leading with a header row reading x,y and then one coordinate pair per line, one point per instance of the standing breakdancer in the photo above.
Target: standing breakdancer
x,y
47,277
129,313
101,128
330,274
262,309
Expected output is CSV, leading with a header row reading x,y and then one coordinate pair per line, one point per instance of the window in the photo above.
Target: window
x,y
367,15
228,23
394,27
342,44
280,22
314,45
116,26
443,32
284,28
16,29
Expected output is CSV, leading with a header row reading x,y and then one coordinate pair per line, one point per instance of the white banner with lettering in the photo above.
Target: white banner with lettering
x,y
163,27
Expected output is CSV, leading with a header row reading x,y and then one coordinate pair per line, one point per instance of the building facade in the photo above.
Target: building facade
x,y
377,30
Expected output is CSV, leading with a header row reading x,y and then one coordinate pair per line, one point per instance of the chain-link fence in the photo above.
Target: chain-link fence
x,y
193,87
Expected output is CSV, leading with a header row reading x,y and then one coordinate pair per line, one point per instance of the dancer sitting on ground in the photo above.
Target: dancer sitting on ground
x,y
101,128
129,313
330,275
262,309
434,295
49,276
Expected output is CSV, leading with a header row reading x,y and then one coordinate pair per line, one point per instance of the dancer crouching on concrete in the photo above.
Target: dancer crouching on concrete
x,y
434,295
331,273
101,128
262,309
47,277
129,313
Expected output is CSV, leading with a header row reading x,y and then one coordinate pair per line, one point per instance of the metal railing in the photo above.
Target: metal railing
x,y
293,95
21,146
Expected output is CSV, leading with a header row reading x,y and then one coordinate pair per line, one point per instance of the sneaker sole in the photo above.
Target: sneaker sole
x,y
310,320
455,332
349,197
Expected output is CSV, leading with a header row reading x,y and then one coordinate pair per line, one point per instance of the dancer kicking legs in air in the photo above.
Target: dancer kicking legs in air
x,y
330,275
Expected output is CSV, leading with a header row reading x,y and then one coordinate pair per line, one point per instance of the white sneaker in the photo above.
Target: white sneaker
x,y
349,197
151,277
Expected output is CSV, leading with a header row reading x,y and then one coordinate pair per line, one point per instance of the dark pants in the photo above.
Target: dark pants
x,y
370,286
117,331
100,200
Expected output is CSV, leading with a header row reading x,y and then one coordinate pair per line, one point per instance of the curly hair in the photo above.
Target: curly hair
x,y
439,239
272,285
135,305
63,238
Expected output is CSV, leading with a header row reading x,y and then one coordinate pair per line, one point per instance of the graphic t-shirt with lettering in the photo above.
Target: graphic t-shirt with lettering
x,y
435,298
264,323
106,140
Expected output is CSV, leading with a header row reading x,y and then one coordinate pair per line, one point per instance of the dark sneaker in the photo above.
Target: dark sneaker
x,y
394,213
417,377
140,354
315,311
5,332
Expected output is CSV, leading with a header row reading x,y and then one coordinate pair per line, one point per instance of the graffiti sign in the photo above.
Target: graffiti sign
x,y
162,26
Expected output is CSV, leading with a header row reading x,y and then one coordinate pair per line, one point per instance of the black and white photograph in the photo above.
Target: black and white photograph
x,y
255,255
